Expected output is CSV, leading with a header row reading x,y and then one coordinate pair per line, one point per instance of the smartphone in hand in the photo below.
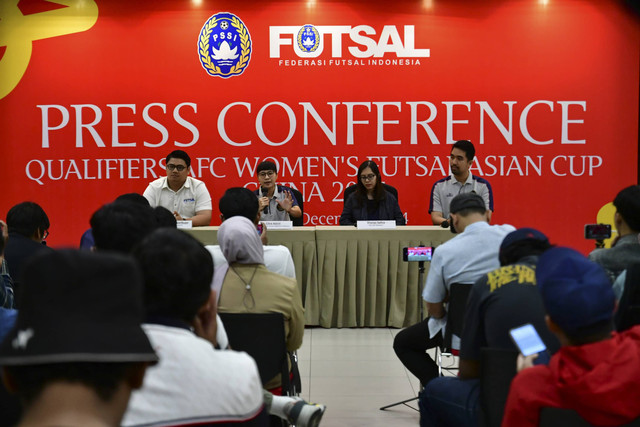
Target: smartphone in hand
x,y
527,340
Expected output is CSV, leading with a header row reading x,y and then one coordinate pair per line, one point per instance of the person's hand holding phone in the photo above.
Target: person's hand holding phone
x,y
532,349
525,362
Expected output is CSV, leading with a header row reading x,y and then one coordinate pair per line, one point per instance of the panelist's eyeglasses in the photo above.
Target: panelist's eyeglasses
x,y
265,174
179,168
367,177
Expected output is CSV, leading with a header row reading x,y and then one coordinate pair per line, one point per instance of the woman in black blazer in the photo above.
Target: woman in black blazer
x,y
370,201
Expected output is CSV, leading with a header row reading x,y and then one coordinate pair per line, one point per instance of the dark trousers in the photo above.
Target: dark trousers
x,y
411,346
450,401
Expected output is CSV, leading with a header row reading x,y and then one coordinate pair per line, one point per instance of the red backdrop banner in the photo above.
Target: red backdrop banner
x,y
96,94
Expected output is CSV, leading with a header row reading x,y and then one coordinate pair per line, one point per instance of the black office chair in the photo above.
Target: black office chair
x,y
350,189
497,369
458,295
262,336
628,312
298,222
553,417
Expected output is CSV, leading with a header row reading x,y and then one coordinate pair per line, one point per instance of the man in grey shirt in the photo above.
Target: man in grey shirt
x,y
460,181
277,202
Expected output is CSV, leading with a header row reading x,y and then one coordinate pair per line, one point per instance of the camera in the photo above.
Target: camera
x,y
597,231
417,253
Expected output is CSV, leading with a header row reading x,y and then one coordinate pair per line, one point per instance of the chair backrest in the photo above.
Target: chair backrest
x,y
458,295
350,189
552,417
497,369
628,312
391,189
262,336
298,222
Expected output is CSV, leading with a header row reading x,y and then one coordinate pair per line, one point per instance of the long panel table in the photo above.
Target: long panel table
x,y
350,277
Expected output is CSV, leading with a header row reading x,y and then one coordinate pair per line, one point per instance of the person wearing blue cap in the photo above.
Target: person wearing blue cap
x,y
596,371
500,300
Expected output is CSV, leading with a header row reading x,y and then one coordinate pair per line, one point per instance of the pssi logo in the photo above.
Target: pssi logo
x,y
364,41
308,38
224,45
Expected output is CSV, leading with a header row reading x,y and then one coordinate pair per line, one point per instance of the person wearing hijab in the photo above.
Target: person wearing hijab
x,y
248,287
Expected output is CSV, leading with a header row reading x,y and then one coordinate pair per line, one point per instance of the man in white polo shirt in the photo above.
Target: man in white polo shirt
x,y
187,197
459,182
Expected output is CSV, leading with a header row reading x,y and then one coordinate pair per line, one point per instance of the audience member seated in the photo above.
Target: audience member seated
x,y
6,282
7,312
87,241
9,406
164,217
463,259
370,201
500,300
249,287
239,201
28,226
618,284
193,382
67,364
596,371
120,225
626,248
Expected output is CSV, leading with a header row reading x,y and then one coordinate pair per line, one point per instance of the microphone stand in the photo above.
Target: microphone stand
x,y
421,305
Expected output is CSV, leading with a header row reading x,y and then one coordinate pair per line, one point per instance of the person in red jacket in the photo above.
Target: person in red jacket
x,y
596,372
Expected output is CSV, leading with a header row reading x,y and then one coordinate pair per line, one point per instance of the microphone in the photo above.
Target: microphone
x,y
444,224
264,191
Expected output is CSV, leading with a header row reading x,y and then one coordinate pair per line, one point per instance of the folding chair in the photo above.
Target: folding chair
x,y
262,336
458,295
497,369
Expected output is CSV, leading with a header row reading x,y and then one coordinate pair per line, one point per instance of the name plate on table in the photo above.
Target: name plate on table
x,y
380,225
186,223
279,225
